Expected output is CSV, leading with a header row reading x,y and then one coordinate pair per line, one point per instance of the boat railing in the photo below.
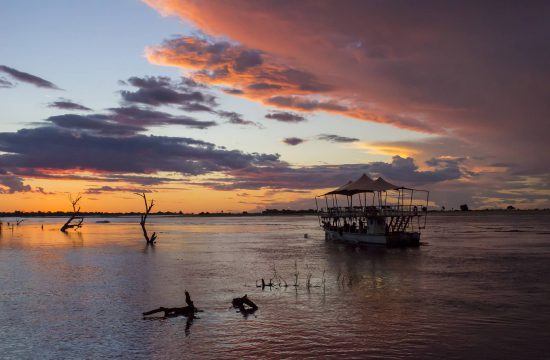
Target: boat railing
x,y
369,211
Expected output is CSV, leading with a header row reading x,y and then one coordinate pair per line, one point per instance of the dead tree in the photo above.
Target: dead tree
x,y
188,311
148,207
75,221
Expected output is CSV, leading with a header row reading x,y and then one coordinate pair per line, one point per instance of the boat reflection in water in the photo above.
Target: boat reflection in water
x,y
387,214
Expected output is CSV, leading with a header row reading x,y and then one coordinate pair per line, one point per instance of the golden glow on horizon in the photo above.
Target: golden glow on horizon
x,y
168,198
386,150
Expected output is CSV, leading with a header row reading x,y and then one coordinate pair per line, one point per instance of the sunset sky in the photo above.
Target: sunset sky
x,y
243,105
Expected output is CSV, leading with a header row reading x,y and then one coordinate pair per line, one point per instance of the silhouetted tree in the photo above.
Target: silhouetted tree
x,y
464,207
75,215
148,207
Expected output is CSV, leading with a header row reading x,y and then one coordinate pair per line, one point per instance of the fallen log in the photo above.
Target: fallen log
x,y
188,311
245,305
173,312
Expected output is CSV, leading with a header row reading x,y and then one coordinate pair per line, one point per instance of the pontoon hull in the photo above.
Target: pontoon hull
x,y
394,239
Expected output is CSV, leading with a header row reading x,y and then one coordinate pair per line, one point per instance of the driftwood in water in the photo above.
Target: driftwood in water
x,y
188,311
148,207
75,221
245,305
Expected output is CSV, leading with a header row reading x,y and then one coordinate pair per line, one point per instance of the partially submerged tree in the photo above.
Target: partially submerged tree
x,y
245,305
148,207
75,221
188,311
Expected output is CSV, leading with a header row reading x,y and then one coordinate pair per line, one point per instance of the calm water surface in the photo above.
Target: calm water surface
x,y
480,287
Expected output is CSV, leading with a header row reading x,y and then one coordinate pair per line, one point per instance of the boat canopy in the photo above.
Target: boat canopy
x,y
363,184
383,185
339,189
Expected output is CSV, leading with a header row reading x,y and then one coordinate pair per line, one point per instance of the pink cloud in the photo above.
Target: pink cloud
x,y
432,67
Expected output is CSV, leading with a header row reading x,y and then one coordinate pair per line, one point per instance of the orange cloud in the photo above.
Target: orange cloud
x,y
262,77
222,63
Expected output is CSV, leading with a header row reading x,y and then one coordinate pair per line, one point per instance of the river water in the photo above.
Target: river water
x,y
479,287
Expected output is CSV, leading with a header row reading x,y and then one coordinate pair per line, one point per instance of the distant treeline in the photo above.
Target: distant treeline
x,y
267,212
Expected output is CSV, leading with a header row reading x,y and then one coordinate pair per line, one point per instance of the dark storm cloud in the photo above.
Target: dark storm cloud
x,y
144,117
293,141
195,107
125,121
57,148
247,59
336,138
137,179
98,124
401,171
65,104
298,103
156,91
233,91
111,189
73,147
144,180
285,116
188,94
235,118
10,184
28,78
404,170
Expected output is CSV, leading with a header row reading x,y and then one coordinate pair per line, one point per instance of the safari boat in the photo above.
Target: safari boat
x,y
367,211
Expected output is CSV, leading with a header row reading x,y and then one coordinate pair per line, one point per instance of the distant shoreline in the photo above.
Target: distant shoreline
x,y
59,214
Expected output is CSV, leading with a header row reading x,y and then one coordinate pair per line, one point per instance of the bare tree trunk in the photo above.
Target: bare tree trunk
x,y
148,207
75,216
